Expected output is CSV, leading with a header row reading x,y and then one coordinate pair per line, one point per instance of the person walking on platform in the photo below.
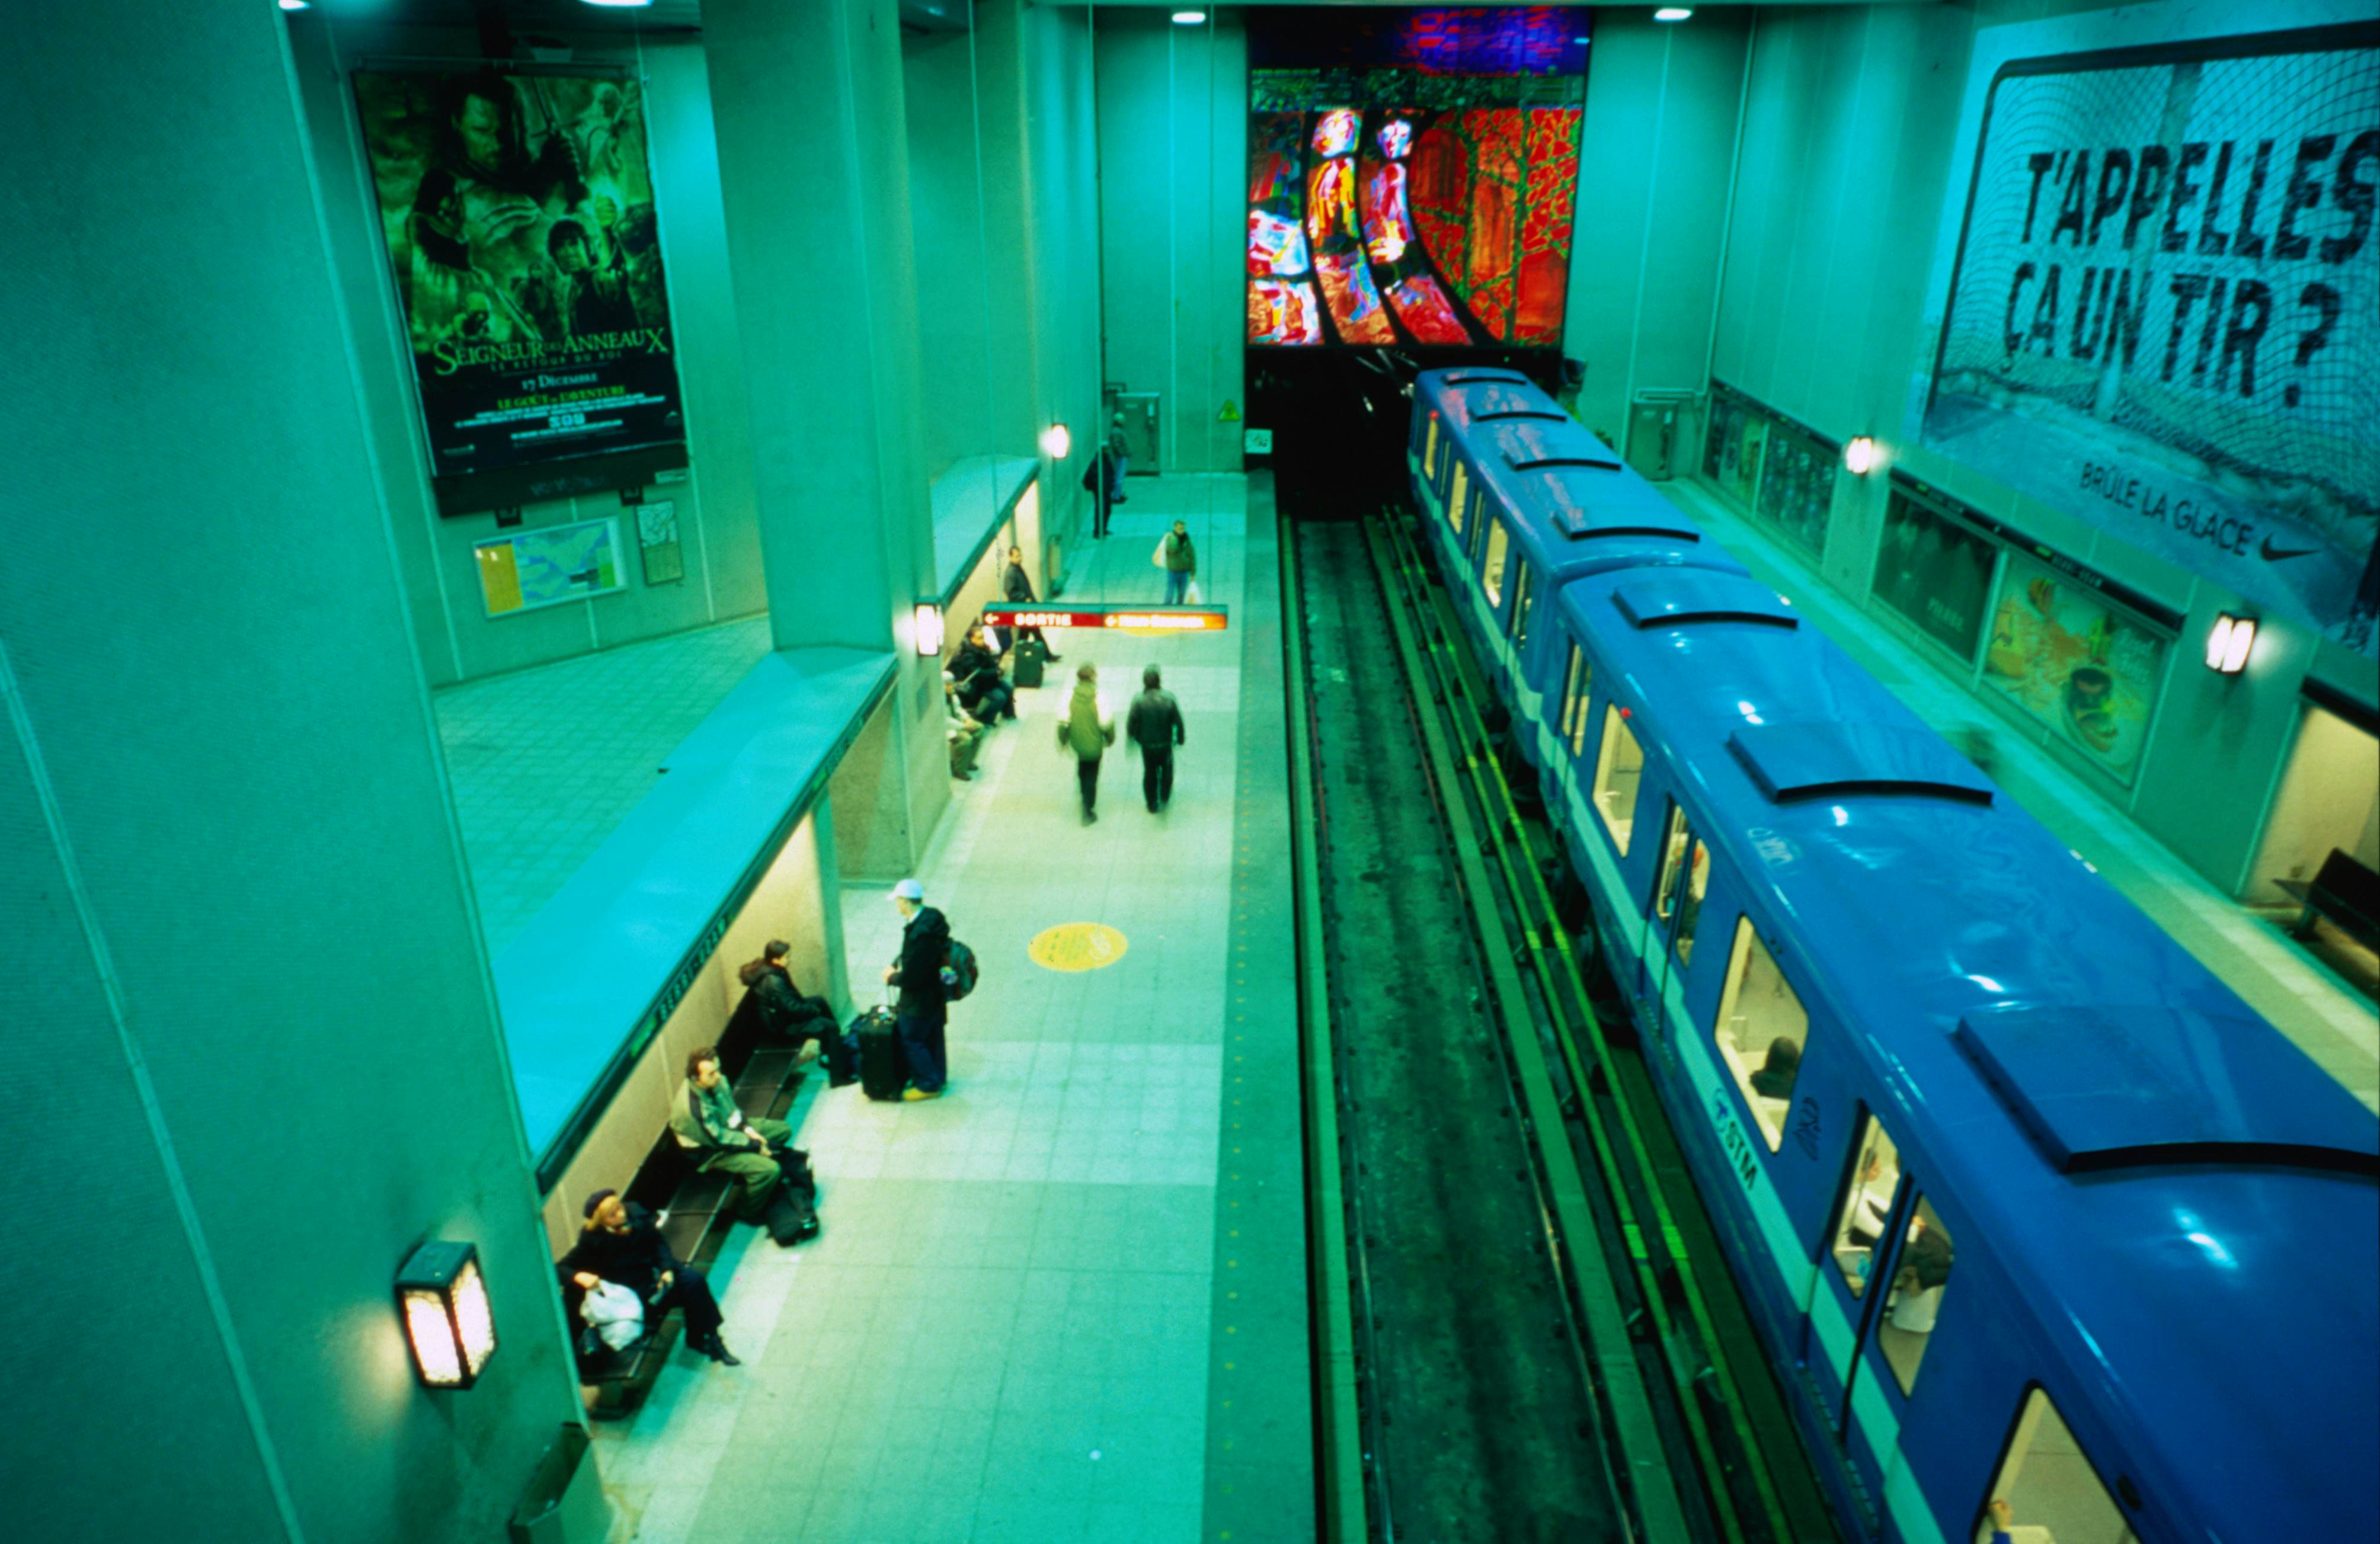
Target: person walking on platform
x,y
1154,723
705,1122
923,974
1181,563
1115,460
1018,588
621,1244
1085,730
806,1021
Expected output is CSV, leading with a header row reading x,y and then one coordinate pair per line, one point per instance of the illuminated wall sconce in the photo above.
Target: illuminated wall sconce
x,y
2227,645
1056,440
1859,456
1189,18
930,629
1673,13
443,1301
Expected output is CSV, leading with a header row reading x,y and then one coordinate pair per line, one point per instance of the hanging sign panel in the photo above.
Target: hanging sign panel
x,y
2156,303
518,212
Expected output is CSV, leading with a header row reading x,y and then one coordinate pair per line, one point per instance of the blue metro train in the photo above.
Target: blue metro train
x,y
1936,1078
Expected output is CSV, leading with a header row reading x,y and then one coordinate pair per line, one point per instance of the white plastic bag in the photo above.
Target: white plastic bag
x,y
1191,595
613,1312
1157,559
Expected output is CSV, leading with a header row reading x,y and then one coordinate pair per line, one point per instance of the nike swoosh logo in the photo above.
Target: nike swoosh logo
x,y
2275,554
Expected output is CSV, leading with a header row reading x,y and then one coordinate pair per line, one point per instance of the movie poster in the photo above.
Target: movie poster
x,y
1935,571
518,215
2156,303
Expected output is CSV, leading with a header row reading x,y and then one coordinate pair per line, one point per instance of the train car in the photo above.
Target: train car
x,y
2046,1231
1524,500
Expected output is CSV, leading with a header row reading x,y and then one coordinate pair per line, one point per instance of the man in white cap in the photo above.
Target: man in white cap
x,y
922,974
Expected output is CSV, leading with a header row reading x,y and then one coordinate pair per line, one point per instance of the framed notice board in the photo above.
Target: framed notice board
x,y
529,570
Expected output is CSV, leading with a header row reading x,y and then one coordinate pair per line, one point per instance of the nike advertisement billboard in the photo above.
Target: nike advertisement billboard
x,y
2156,305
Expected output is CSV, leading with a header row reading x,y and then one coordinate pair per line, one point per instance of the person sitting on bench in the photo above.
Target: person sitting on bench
x,y
621,1244
705,1122
806,1021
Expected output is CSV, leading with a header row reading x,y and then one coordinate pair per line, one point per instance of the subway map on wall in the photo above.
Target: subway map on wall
x,y
1411,180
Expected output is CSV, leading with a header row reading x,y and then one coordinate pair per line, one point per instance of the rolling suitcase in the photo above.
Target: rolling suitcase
x,y
1026,669
883,1072
790,1218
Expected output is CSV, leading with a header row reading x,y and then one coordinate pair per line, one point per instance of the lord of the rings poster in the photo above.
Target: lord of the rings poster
x,y
518,211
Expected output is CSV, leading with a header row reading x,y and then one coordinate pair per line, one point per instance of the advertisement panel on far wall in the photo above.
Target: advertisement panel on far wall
x,y
517,213
1935,570
2085,669
2155,299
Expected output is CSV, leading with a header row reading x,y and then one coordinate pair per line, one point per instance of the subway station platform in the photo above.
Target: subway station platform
x,y
1067,1300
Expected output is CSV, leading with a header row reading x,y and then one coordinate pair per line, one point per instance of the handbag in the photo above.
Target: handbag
x,y
614,1314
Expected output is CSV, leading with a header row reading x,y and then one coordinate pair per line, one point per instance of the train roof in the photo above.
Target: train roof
x,y
2130,1133
1568,497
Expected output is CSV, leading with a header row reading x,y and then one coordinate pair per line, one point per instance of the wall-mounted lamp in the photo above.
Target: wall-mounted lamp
x,y
295,5
929,628
443,1301
1673,13
1189,18
2228,644
1056,440
1859,456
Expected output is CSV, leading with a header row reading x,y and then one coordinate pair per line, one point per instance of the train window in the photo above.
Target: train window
x,y
1454,498
1761,1027
1685,879
1491,578
1574,695
2047,1491
1618,769
1865,1209
1430,449
1919,1279
1523,599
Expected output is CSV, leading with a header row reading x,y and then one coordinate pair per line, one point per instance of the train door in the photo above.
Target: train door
x,y
1882,1279
1680,888
1561,768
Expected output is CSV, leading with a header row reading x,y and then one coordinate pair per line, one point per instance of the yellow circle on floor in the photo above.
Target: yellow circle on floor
x,y
1078,946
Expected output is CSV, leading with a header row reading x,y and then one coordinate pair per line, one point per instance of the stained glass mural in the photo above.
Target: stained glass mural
x,y
1429,162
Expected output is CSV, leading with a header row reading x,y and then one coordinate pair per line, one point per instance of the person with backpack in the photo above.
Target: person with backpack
x,y
924,976
1154,724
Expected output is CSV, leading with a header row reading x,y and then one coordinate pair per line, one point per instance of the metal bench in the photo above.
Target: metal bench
x,y
2344,893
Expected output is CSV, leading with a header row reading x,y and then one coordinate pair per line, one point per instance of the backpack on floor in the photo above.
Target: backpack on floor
x,y
963,966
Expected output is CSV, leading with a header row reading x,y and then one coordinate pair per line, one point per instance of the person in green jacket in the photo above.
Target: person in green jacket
x,y
1086,730
1181,563
705,1122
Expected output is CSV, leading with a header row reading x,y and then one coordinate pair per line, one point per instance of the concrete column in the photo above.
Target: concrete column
x,y
813,162
251,1056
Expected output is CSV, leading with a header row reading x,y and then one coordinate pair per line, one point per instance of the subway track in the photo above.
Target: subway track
x,y
1541,1340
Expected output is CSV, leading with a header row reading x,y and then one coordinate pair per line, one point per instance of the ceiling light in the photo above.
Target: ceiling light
x,y
618,4
1673,13
1189,18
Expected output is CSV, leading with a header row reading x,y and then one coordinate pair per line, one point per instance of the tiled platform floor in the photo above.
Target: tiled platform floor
x,y
1005,1331
545,763
2274,974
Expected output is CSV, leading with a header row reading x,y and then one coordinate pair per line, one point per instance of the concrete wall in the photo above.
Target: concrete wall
x,y
1655,147
456,639
2328,797
1846,147
1172,150
1061,152
253,1056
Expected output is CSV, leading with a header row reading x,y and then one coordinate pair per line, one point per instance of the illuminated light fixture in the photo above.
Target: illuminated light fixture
x,y
295,5
1189,18
1056,440
1859,456
929,628
2227,645
618,4
1673,13
443,1301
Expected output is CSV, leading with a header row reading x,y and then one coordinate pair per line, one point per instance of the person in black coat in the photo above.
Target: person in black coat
x,y
1155,724
806,1021
1018,588
983,692
922,974
621,1243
